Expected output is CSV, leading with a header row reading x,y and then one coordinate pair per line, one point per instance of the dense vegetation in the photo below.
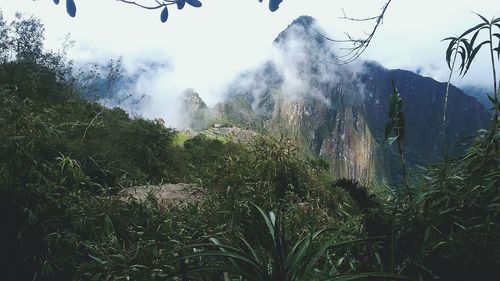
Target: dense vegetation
x,y
270,213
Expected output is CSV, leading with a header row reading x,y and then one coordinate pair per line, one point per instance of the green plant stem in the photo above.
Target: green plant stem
x,y
493,68
403,166
445,151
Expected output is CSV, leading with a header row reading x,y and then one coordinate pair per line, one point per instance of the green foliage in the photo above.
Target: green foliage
x,y
4,39
63,159
455,233
28,37
60,221
275,256
396,121
396,125
468,48
205,156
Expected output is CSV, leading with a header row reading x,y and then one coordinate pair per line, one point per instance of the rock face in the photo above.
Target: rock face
x,y
339,112
166,195
195,113
192,102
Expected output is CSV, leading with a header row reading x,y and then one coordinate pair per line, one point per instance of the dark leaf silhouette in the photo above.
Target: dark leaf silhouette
x,y
274,5
164,14
473,28
70,8
483,18
180,4
473,55
194,3
450,49
396,121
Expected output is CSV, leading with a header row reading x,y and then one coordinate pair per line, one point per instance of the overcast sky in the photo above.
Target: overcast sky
x,y
208,46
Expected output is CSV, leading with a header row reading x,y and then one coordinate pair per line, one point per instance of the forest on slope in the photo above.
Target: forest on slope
x,y
271,212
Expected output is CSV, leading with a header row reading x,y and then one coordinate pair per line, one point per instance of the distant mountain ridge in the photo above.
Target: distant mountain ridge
x,y
339,111
480,93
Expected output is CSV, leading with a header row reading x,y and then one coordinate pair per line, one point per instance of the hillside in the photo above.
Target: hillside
x,y
339,111
88,192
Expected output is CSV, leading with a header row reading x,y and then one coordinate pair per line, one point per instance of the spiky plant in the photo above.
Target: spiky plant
x,y
278,259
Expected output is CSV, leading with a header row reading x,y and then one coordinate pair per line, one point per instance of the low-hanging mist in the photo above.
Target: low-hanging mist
x,y
300,62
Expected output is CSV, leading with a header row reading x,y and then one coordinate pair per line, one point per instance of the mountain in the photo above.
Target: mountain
x,y
339,111
480,93
194,112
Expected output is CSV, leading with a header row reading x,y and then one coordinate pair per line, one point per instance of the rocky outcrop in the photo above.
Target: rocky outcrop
x,y
195,114
166,195
339,112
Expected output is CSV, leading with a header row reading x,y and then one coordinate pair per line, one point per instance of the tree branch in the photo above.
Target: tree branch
x,y
360,44
158,6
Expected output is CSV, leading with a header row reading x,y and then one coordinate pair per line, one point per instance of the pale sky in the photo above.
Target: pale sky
x,y
208,46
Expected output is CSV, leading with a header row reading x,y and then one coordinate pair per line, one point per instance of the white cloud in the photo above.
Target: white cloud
x,y
210,45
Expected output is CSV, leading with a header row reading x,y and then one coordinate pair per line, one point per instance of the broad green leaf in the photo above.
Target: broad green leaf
x,y
391,140
238,266
270,225
225,254
250,248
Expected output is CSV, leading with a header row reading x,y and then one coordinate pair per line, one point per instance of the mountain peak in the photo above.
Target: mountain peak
x,y
304,20
303,24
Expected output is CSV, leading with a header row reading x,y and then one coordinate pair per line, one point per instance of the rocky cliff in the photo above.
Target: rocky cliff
x,y
339,111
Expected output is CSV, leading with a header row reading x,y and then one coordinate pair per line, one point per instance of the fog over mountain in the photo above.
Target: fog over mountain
x,y
208,55
339,111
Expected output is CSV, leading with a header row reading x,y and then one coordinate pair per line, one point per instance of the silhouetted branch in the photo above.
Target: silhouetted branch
x,y
345,17
360,44
158,6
